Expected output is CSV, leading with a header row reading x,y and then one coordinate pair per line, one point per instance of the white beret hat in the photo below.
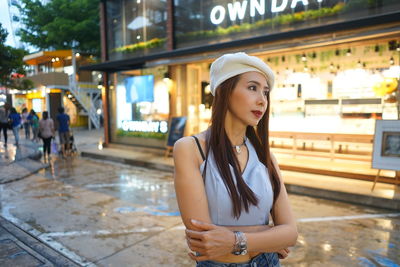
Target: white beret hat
x,y
230,65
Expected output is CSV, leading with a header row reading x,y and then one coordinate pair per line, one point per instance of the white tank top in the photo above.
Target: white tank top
x,y
219,202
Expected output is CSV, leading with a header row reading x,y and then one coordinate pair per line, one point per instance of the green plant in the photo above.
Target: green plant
x,y
159,136
153,43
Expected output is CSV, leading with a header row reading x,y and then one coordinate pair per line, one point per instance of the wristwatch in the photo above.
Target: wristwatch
x,y
240,247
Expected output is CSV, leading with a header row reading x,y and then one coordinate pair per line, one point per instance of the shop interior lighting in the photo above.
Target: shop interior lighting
x,y
348,53
391,61
304,57
57,59
166,77
138,37
77,55
53,59
207,89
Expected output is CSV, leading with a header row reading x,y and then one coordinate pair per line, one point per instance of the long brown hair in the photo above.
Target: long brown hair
x,y
217,141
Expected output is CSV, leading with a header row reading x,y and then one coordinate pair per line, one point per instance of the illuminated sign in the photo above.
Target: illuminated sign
x,y
145,126
238,10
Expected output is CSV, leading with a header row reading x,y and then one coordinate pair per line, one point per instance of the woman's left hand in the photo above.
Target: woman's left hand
x,y
283,253
210,241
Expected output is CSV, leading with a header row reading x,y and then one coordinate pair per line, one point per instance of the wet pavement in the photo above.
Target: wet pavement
x,y
18,162
12,153
99,213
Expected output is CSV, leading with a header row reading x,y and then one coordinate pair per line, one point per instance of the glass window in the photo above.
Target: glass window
x,y
214,21
139,101
135,27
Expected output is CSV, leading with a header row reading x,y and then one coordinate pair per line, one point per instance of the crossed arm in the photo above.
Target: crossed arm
x,y
216,242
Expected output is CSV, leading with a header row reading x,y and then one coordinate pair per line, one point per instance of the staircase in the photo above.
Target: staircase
x,y
85,96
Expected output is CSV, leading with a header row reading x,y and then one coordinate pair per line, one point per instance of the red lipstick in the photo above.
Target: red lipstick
x,y
257,113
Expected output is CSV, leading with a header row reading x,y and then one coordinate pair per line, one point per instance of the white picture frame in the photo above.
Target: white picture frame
x,y
386,150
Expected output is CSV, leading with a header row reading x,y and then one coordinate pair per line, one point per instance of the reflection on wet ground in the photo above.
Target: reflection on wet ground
x,y
147,191
112,213
12,152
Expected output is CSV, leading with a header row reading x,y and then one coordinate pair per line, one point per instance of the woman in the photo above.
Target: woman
x,y
4,125
25,123
34,120
15,119
46,129
227,181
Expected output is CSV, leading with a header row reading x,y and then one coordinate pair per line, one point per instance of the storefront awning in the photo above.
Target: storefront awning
x,y
140,62
46,56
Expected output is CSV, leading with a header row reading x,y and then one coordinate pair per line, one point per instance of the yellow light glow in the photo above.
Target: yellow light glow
x,y
327,247
207,89
192,109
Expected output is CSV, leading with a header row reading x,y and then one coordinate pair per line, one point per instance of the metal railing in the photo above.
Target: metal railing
x,y
86,94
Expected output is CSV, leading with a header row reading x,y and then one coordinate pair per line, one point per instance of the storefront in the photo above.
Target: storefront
x,y
47,100
336,62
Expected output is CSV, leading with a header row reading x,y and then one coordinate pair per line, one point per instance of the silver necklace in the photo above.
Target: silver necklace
x,y
238,148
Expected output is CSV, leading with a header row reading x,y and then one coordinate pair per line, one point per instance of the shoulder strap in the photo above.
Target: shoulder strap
x,y
198,145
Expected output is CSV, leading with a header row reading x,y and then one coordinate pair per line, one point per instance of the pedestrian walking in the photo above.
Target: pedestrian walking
x,y
4,124
63,131
34,121
15,119
26,123
227,181
46,132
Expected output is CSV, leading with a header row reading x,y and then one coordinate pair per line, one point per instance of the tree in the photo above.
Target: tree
x,y
61,24
11,62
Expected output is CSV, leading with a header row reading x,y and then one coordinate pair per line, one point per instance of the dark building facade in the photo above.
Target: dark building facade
x,y
336,62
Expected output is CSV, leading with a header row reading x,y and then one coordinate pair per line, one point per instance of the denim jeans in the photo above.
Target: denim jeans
x,y
16,133
27,128
262,260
